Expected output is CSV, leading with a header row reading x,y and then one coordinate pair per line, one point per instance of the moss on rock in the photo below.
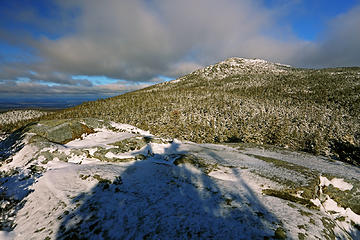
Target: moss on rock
x,y
59,131
286,195
129,144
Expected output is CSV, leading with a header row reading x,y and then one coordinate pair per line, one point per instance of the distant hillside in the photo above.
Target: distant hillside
x,y
19,115
15,118
251,101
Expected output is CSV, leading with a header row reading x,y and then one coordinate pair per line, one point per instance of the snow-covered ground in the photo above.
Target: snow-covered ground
x,y
123,183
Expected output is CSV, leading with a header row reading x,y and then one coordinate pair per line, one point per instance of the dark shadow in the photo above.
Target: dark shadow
x,y
14,186
346,152
234,139
356,234
12,143
13,190
154,199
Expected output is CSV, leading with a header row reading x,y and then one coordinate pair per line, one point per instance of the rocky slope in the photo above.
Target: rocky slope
x,y
250,101
96,179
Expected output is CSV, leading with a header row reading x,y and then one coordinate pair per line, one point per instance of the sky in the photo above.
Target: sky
x,y
90,49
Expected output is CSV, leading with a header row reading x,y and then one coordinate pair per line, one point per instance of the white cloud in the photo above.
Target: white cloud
x,y
139,40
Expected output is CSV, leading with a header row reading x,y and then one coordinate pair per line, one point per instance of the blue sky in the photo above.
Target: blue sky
x,y
309,18
91,49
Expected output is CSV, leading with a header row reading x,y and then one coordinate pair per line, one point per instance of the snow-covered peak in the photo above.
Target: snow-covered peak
x,y
236,61
237,66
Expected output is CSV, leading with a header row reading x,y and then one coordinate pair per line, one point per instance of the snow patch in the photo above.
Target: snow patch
x,y
336,182
130,129
118,156
175,81
101,138
223,174
329,206
21,158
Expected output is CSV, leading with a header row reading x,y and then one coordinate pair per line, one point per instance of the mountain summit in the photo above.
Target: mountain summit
x,y
235,66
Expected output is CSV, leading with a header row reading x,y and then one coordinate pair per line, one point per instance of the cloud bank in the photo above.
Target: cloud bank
x,y
139,40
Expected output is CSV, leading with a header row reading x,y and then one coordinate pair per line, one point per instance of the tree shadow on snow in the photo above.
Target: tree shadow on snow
x,y
155,199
